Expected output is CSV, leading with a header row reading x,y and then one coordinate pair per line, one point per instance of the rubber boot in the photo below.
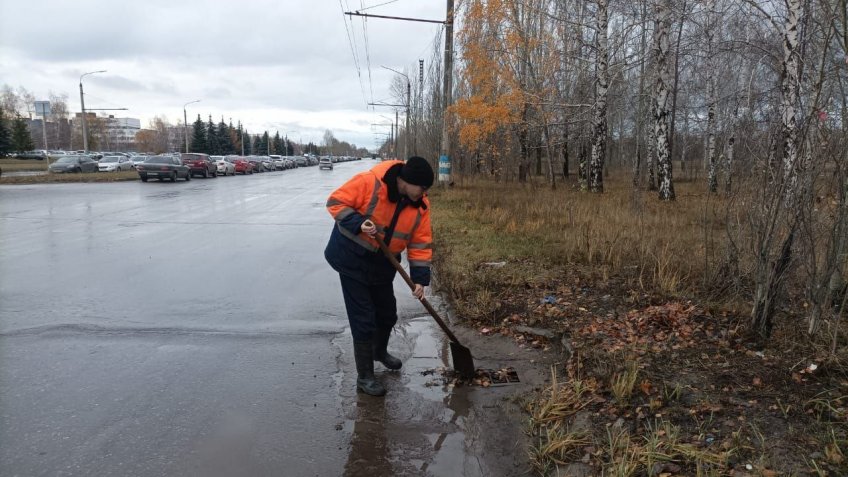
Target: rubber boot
x,y
363,353
381,343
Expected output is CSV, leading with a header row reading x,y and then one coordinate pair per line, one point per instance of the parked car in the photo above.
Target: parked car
x,y
241,164
163,167
137,159
80,163
225,167
200,164
301,161
38,155
325,163
278,161
256,162
114,164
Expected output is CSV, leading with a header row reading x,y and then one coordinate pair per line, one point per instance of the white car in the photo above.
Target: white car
x,y
114,164
325,163
225,167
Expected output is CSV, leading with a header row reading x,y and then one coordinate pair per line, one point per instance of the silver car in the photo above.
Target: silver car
x,y
115,164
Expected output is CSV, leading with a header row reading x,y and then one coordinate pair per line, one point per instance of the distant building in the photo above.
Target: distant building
x,y
121,132
107,133
58,133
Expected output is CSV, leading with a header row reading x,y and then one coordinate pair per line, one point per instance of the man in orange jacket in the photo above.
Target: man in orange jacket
x,y
387,203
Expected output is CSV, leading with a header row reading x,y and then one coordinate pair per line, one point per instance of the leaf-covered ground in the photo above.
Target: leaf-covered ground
x,y
647,382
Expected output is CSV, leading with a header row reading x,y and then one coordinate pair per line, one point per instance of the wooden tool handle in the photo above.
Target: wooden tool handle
x,y
411,284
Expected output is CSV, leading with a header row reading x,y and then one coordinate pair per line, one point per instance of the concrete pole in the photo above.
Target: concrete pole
x,y
444,156
82,106
408,132
84,122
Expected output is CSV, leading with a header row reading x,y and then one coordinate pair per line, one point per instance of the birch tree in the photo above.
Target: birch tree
x,y
599,133
711,96
661,101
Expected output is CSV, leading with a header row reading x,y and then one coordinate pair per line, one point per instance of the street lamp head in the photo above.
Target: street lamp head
x,y
90,73
396,71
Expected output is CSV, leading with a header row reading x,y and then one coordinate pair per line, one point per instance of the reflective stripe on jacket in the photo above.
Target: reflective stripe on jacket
x,y
366,194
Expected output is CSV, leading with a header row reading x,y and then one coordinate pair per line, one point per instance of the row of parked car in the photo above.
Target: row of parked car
x,y
187,165
197,163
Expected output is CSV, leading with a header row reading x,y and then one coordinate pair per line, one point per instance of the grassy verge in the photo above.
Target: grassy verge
x,y
655,374
81,177
20,165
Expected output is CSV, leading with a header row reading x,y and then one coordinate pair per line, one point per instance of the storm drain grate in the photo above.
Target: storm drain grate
x,y
482,377
496,377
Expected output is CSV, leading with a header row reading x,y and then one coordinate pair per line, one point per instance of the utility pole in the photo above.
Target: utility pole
x,y
444,156
397,131
82,106
185,121
419,118
408,131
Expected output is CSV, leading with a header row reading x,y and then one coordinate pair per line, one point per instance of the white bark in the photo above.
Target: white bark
x,y
711,98
599,133
661,107
789,95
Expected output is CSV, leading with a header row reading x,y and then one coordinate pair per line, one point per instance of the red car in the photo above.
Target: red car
x,y
242,164
200,164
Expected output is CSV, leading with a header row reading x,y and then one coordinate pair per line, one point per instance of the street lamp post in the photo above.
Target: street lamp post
x,y
287,143
185,120
82,106
408,99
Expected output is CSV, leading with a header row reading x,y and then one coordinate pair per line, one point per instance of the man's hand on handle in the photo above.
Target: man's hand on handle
x,y
418,292
369,228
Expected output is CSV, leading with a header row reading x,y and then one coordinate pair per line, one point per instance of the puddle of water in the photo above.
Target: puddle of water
x,y
419,428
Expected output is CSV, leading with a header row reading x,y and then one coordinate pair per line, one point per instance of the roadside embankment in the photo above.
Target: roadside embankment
x,y
632,298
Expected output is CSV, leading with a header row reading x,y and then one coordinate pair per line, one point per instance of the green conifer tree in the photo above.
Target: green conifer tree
x,y
248,143
198,138
263,144
21,139
213,144
225,139
5,136
277,145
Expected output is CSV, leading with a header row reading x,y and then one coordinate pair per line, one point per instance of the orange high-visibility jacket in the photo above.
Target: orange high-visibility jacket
x,y
367,195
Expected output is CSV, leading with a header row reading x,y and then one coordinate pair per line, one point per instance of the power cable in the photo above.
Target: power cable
x,y
367,52
375,6
351,40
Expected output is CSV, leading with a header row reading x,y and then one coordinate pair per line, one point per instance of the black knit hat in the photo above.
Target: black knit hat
x,y
417,171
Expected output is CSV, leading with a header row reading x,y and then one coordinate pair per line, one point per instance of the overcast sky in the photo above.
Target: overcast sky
x,y
276,65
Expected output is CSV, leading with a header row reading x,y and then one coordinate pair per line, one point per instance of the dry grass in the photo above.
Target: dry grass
x,y
703,405
670,248
20,165
622,383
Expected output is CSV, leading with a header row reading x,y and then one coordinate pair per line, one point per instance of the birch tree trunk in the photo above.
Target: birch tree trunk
x,y
771,276
789,96
661,98
711,98
599,136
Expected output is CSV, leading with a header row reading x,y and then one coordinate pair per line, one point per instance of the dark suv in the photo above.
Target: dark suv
x,y
199,164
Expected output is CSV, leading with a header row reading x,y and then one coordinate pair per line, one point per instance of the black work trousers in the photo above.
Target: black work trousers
x,y
369,306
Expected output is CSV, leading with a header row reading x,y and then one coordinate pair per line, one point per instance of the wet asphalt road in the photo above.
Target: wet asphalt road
x,y
195,329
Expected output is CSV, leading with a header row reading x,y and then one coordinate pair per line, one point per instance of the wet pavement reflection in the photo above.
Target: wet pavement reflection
x,y
194,328
419,428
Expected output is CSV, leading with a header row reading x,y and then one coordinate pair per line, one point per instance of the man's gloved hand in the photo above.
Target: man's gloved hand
x,y
418,292
369,228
